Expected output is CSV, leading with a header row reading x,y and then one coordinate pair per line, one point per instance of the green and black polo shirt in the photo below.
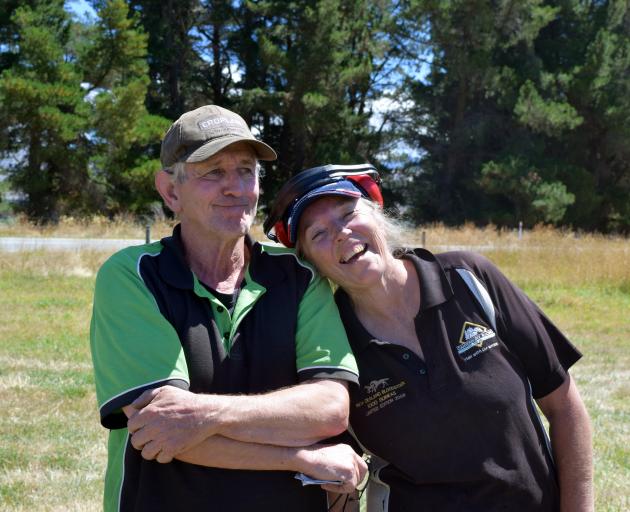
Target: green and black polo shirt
x,y
456,429
154,323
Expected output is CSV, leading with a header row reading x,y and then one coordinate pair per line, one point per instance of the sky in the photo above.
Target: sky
x,y
80,8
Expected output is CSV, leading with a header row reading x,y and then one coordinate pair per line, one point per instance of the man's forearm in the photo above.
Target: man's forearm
x,y
221,452
332,462
176,420
169,421
295,416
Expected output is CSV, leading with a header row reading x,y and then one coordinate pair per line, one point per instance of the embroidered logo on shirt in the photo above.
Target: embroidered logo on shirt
x,y
374,386
473,335
379,394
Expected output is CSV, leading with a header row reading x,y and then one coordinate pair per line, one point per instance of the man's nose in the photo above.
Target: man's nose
x,y
233,184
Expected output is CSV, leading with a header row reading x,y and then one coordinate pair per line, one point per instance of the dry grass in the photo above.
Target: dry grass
x,y
42,263
542,256
87,227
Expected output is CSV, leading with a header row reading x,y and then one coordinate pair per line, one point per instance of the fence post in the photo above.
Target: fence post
x,y
520,229
147,233
423,242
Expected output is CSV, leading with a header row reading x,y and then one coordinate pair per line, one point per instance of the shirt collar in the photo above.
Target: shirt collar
x,y
173,266
435,289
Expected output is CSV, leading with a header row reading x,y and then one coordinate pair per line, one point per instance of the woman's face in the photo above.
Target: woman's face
x,y
340,236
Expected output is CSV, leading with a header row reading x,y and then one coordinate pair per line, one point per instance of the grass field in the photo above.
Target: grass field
x,y
52,449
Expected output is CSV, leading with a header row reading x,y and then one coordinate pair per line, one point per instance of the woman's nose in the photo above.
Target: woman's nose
x,y
343,232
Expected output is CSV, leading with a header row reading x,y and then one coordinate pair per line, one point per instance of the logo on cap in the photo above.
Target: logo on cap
x,y
212,122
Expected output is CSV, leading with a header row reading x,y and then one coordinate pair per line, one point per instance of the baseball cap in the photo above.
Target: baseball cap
x,y
203,132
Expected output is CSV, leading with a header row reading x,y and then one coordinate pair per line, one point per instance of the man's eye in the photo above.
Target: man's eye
x,y
349,214
213,174
247,171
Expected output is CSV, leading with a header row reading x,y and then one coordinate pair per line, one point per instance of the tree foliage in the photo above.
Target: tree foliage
x,y
475,110
124,135
43,117
76,130
520,115
312,81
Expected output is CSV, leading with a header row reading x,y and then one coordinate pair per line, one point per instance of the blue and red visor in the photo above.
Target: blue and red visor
x,y
305,187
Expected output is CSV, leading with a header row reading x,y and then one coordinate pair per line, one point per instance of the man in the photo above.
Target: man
x,y
219,362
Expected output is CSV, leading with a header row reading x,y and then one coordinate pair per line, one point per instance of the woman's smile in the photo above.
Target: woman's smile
x,y
353,253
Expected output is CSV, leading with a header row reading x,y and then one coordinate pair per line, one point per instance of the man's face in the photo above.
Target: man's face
x,y
220,194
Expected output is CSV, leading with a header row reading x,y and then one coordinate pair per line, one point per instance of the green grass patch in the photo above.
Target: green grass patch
x,y
596,320
53,449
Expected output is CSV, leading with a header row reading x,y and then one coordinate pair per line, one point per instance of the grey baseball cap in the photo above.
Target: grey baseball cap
x,y
203,132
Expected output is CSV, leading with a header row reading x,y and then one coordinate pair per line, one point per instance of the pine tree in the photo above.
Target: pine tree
x,y
43,118
309,84
523,112
125,137
595,65
73,117
176,68
9,31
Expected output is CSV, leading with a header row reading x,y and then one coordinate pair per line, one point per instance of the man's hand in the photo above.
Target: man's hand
x,y
333,462
170,421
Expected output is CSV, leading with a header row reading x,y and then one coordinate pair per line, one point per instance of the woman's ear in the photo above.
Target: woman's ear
x,y
166,188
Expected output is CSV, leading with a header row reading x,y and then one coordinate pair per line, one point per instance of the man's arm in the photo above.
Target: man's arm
x,y
570,432
323,462
175,420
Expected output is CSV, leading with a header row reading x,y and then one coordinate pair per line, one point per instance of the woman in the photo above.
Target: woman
x,y
452,360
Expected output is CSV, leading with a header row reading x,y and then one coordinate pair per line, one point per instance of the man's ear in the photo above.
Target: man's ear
x,y
166,188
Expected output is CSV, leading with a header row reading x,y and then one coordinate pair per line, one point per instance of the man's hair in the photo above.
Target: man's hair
x,y
177,172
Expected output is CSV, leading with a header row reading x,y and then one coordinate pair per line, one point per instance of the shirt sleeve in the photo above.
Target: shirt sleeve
x,y
322,348
541,347
134,348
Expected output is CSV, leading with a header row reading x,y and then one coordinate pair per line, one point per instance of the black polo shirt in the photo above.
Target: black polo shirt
x,y
154,323
456,428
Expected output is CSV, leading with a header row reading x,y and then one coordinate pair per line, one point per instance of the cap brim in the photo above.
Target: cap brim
x,y
340,188
212,147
